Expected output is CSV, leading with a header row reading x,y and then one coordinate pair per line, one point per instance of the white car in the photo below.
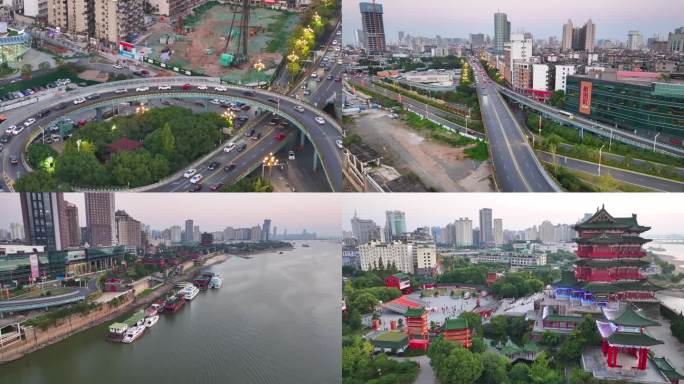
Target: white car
x,y
202,87
10,129
55,138
164,87
299,108
121,90
229,148
291,155
17,130
196,179
189,173
79,100
29,122
339,144
117,66
320,120
314,75
215,101
220,88
142,89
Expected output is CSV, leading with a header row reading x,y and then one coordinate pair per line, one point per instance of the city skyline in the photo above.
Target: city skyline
x,y
211,212
662,213
613,18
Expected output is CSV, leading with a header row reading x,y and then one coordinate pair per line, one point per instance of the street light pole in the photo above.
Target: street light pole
x,y
600,153
654,141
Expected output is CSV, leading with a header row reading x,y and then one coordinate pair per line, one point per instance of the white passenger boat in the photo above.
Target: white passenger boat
x,y
189,292
216,282
132,334
150,321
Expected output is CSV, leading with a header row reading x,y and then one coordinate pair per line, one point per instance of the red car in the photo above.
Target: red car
x,y
186,87
216,187
280,137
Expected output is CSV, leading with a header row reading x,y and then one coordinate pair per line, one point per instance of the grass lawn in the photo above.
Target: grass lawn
x,y
63,72
392,336
279,32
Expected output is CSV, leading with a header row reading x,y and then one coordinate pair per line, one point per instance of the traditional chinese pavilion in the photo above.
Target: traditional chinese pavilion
x,y
457,330
623,338
417,328
610,254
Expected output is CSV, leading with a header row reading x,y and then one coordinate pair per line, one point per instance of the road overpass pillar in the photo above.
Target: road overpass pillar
x,y
206,105
99,113
302,139
315,162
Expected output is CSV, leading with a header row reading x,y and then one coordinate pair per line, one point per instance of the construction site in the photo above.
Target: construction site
x,y
238,43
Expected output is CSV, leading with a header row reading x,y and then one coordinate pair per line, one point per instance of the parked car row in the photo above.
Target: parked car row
x,y
33,90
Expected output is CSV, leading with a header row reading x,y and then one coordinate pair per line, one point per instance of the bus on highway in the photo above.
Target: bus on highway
x,y
567,114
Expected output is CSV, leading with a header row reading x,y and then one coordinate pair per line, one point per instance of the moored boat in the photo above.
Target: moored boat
x,y
132,334
216,282
174,303
189,292
150,321
117,331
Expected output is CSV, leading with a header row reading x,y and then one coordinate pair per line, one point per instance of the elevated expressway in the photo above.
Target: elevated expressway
x,y
322,136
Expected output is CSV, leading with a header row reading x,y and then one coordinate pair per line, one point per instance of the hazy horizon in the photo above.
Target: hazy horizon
x,y
318,213
543,18
664,213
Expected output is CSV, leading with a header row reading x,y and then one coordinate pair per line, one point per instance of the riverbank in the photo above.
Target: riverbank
x,y
36,338
678,263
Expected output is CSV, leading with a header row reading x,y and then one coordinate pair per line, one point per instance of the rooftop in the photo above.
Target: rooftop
x,y
628,317
455,324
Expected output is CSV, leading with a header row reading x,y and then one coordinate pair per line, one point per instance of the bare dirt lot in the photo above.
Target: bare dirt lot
x,y
439,166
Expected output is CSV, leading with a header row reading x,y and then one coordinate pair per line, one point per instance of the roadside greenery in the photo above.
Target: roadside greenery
x,y
319,16
477,150
587,149
677,327
171,138
248,184
52,317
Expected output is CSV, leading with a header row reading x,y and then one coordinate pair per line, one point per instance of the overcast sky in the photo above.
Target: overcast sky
x,y
663,212
543,18
213,211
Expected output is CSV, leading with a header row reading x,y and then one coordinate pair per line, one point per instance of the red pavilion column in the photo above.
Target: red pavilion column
x,y
609,360
604,347
643,358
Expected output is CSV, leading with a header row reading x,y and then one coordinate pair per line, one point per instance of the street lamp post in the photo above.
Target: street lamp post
x,y
269,161
654,141
600,154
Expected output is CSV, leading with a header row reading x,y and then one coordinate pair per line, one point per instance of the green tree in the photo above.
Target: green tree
x,y
365,302
557,99
26,70
460,366
519,374
80,168
478,345
494,371
37,153
474,321
38,181
44,66
499,328
168,141
542,373
550,339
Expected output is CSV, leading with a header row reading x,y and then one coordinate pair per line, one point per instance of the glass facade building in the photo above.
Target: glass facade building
x,y
656,107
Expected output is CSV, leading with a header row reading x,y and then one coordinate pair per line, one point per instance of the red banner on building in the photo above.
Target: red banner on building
x,y
585,97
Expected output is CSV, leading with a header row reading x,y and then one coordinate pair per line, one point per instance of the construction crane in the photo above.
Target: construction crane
x,y
240,55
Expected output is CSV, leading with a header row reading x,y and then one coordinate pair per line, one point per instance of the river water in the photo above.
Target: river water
x,y
674,250
275,320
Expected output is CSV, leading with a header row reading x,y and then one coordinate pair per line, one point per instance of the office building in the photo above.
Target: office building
x,y
73,227
629,100
395,225
196,235
100,219
477,40
486,235
566,42
547,232
128,230
16,231
498,232
374,254
189,232
634,40
463,232
266,230
373,27
206,239
44,220
502,31
675,41
175,234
